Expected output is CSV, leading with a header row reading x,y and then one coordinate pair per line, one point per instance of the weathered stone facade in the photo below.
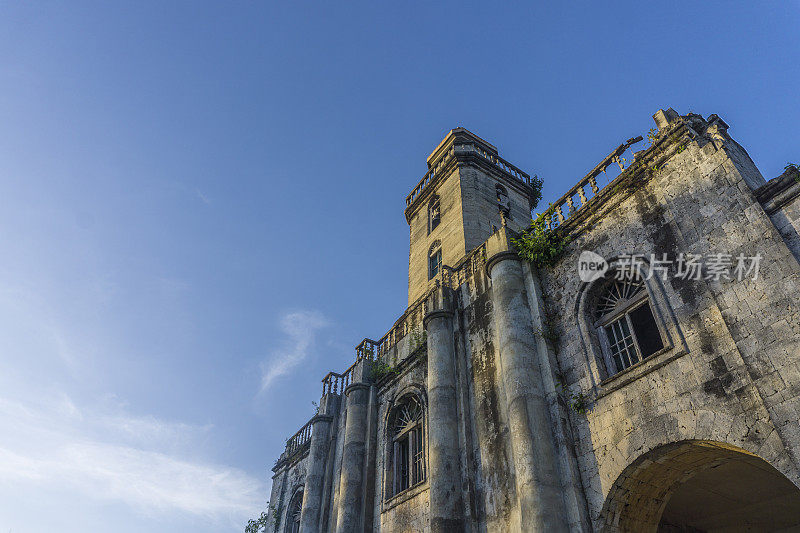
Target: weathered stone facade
x,y
501,400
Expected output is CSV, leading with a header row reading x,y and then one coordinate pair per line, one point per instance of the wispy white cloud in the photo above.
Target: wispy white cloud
x,y
300,328
120,458
151,431
149,481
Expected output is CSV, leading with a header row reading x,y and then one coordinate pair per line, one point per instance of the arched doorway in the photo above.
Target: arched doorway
x,y
701,487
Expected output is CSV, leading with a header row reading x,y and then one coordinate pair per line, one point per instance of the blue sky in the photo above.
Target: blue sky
x,y
201,207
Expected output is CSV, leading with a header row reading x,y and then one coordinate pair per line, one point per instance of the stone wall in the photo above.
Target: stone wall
x,y
480,208
730,374
450,233
410,511
285,483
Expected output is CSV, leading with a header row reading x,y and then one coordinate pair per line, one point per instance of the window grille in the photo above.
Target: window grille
x,y
407,456
626,324
293,516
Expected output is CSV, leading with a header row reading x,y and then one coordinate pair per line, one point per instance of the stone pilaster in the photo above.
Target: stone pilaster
x,y
351,484
315,473
329,405
447,510
532,443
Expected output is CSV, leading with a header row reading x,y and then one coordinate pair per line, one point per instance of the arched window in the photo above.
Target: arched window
x,y
625,323
293,514
434,214
434,259
406,447
503,204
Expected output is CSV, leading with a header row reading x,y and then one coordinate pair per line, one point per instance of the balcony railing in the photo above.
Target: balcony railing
x,y
496,161
503,165
429,175
299,440
586,189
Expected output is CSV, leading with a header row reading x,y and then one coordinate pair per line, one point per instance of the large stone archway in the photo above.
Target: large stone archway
x,y
701,486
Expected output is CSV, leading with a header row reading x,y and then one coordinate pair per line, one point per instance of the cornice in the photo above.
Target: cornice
x,y
356,386
496,258
462,159
439,313
779,191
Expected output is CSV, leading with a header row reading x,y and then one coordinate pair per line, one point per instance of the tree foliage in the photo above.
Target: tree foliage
x,y
536,185
260,524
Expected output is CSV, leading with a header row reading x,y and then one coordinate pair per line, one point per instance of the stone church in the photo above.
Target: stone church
x,y
647,379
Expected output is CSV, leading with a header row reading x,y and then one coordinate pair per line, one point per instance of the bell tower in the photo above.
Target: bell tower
x,y
462,198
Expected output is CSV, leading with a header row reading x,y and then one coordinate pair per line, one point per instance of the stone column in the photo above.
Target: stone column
x,y
532,444
351,484
444,460
572,488
315,473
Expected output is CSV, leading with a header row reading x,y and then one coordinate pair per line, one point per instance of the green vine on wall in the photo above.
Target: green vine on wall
x,y
578,402
796,168
539,245
381,369
417,337
652,136
276,514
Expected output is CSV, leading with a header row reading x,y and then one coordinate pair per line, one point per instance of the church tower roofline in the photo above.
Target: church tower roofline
x,y
463,136
462,147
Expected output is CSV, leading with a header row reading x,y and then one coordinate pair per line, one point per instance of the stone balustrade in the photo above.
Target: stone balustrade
x,y
299,439
432,172
586,189
496,161
334,383
502,164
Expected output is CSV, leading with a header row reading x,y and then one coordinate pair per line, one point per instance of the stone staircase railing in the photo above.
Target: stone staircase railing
x,y
586,189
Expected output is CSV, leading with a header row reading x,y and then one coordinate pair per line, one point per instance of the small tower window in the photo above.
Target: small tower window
x,y
434,214
434,260
626,324
406,454
503,204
